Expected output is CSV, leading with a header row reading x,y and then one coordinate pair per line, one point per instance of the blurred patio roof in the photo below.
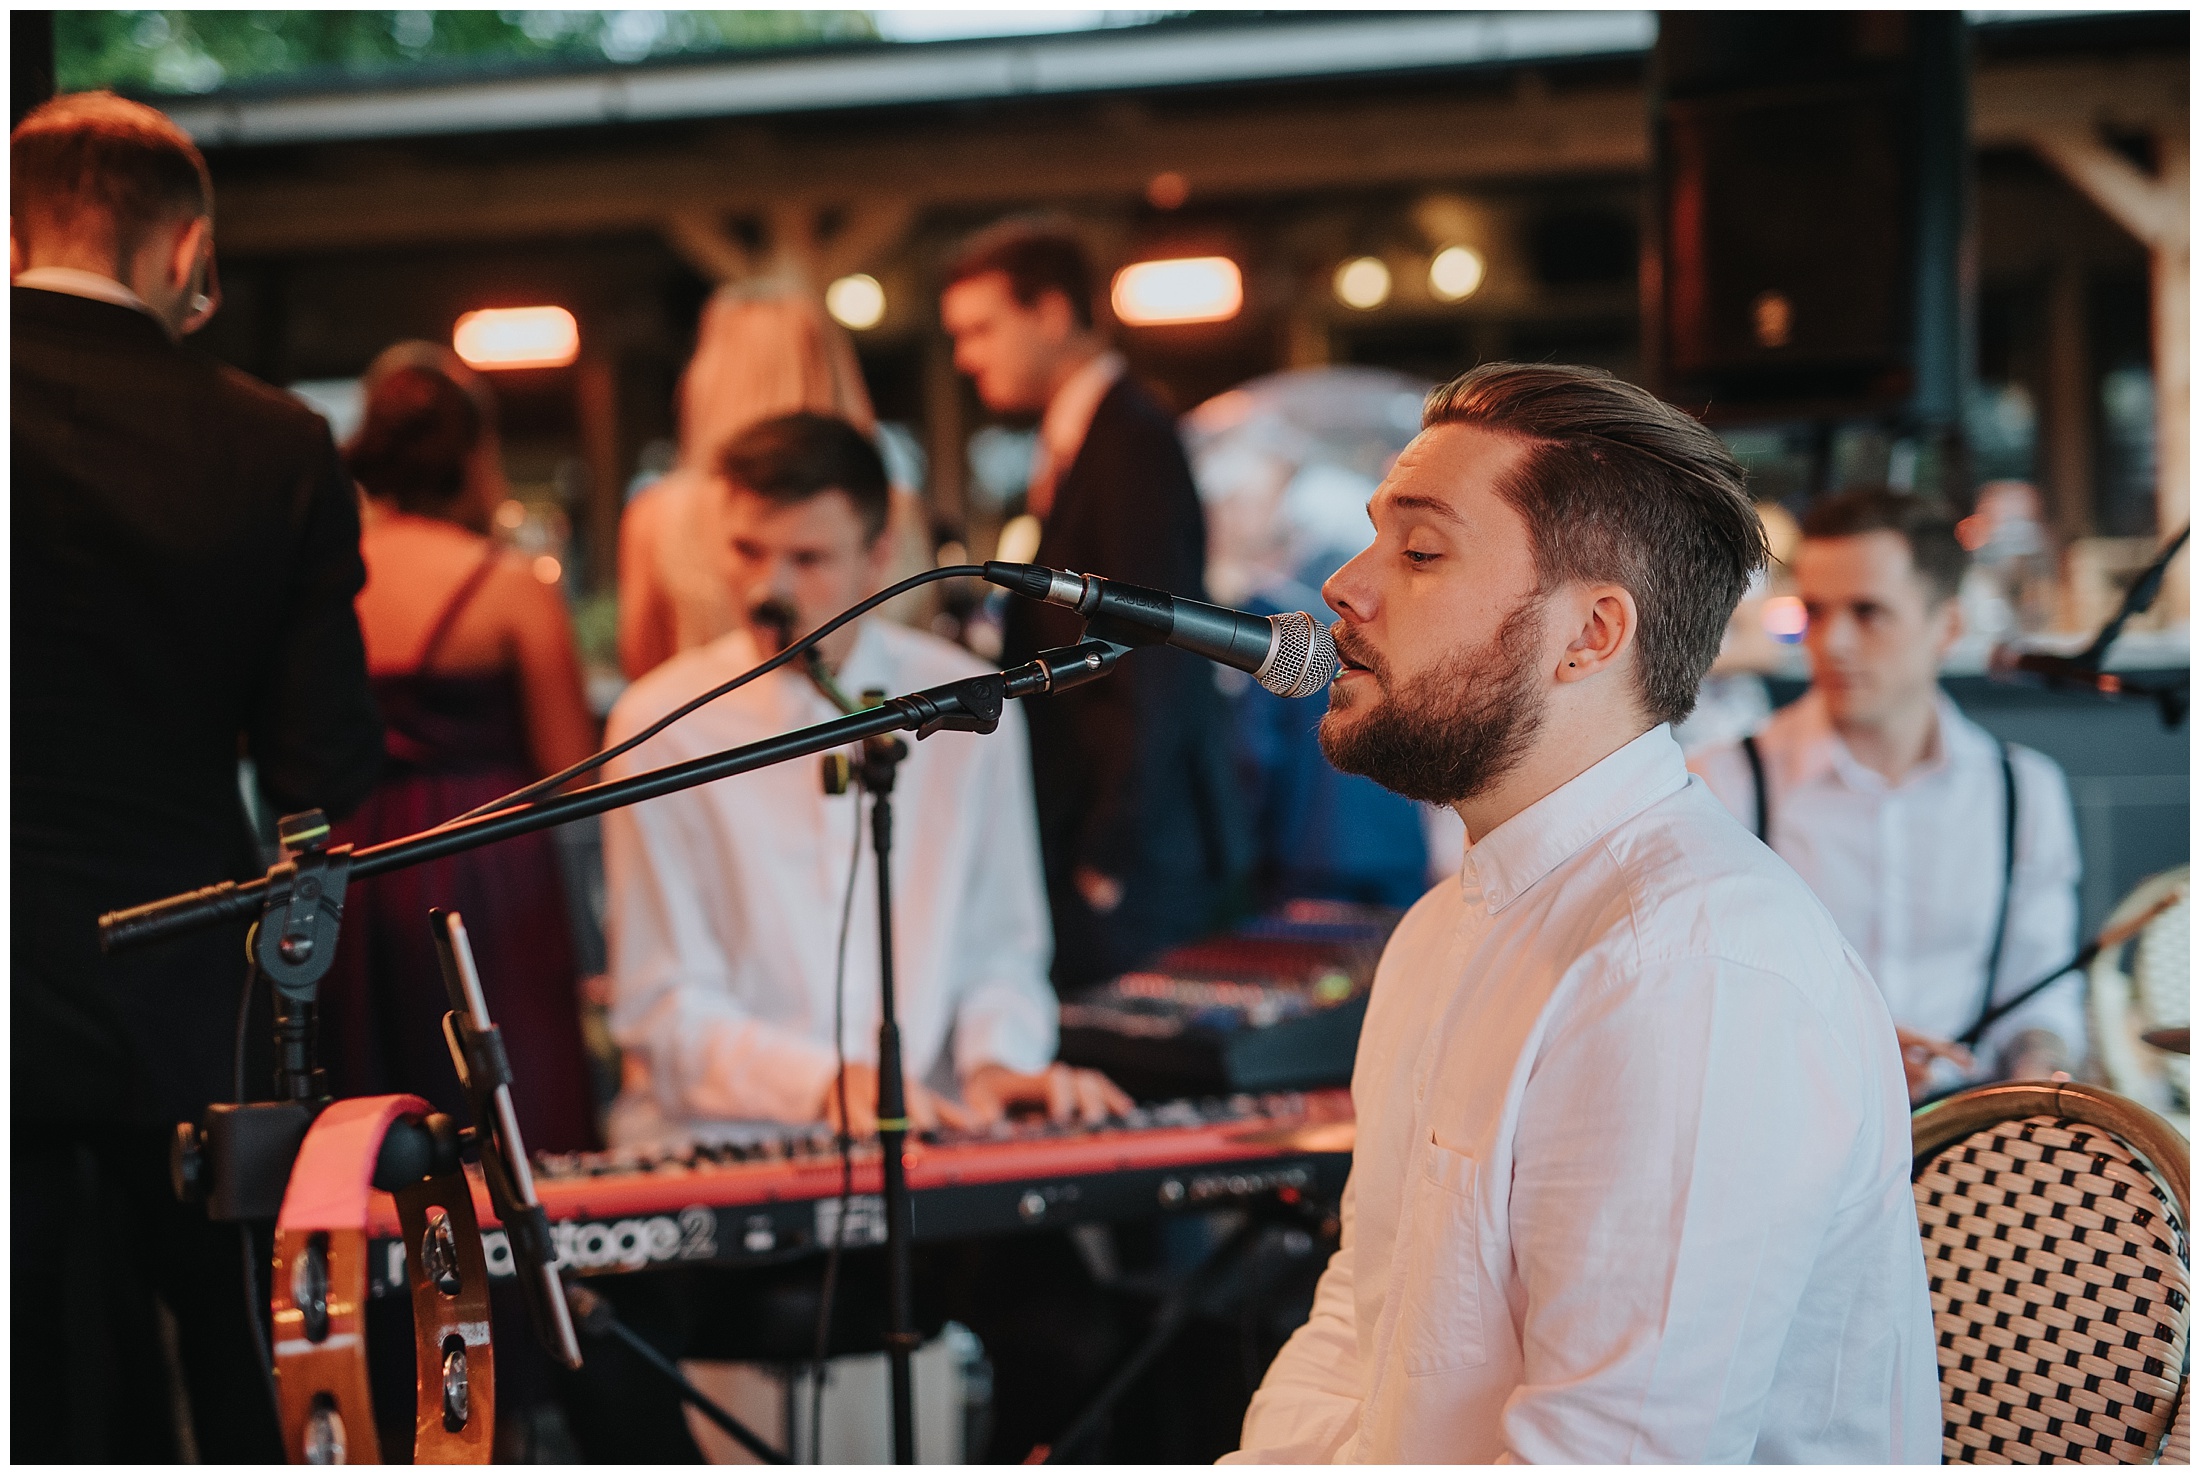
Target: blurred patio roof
x,y
1193,51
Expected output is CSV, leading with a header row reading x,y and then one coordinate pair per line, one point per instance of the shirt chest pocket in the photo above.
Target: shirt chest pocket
x,y
1441,1294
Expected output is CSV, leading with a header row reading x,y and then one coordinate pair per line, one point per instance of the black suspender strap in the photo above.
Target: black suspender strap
x,y
1986,1015
1757,780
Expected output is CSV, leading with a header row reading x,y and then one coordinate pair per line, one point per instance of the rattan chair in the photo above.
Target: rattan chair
x,y
2152,990
2054,1218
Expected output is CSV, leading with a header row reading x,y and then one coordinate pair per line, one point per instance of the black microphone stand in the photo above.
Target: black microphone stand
x,y
881,758
299,903
2171,695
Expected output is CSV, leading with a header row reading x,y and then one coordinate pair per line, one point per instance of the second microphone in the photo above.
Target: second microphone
x,y
1291,654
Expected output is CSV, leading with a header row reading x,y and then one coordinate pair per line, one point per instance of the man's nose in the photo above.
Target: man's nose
x,y
1834,632
769,581
1349,591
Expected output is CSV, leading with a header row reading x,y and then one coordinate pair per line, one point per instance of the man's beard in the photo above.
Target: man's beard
x,y
1451,732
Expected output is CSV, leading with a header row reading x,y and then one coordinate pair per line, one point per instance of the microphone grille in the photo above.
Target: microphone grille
x,y
1303,659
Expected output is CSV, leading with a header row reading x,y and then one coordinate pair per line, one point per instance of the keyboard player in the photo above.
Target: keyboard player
x,y
726,902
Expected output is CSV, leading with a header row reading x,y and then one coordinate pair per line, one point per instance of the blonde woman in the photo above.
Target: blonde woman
x,y
762,351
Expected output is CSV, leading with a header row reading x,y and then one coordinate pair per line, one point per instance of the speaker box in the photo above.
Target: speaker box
x,y
1796,227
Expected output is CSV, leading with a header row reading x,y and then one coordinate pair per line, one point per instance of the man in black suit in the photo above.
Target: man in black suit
x,y
185,558
1139,822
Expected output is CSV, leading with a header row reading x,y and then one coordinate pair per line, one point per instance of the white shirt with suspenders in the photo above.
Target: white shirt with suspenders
x,y
1954,897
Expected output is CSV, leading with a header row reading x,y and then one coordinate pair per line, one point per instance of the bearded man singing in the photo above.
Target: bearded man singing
x,y
1632,1177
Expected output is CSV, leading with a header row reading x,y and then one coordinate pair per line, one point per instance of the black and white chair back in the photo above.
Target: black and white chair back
x,y
2054,1221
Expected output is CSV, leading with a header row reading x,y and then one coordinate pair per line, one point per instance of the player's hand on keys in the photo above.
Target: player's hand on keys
x,y
928,1110
1069,1094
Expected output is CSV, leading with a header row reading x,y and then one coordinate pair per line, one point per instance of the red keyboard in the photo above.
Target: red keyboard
x,y
779,1197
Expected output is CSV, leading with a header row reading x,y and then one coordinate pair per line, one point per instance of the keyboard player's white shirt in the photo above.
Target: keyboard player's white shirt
x,y
1631,1180
725,900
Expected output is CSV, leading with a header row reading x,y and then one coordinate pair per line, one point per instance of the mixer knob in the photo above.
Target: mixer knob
x,y
1172,1193
1032,1207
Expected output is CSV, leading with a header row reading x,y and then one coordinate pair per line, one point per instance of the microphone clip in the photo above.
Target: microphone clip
x,y
970,705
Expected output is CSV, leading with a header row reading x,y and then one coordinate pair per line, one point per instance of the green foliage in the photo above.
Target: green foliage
x,y
188,51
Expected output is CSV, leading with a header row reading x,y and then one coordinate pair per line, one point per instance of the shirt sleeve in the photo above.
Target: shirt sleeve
x,y
1005,1010
2043,913
1308,1408
1684,1142
672,999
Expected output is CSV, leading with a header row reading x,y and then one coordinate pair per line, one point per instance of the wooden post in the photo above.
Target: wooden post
x,y
2172,265
2066,414
947,450
2155,209
596,405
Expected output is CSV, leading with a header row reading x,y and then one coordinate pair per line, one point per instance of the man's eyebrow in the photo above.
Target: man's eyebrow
x,y
1436,506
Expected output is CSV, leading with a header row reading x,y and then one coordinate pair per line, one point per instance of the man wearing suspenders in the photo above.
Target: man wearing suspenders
x,y
1948,858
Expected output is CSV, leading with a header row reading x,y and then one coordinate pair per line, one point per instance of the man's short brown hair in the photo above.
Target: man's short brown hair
x,y
792,458
1038,255
103,171
1935,551
1619,487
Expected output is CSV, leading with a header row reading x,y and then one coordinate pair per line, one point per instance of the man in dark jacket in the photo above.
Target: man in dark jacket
x,y
1139,824
185,558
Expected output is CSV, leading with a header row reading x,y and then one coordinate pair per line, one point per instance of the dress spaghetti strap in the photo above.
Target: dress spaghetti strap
x,y
456,606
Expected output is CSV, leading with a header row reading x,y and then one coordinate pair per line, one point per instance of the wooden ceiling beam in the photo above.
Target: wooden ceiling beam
x,y
1101,155
2013,102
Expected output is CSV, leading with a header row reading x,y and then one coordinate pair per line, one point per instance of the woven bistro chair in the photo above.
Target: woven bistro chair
x,y
2153,991
2053,1217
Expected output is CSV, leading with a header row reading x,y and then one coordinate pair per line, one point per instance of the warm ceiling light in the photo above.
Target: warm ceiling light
x,y
1456,273
856,301
1190,289
1168,190
517,338
1363,282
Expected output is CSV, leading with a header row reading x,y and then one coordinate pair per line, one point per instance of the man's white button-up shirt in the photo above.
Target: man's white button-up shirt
x,y
1631,1179
1912,871
725,900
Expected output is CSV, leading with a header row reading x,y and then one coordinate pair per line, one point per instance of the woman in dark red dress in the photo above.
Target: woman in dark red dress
x,y
474,668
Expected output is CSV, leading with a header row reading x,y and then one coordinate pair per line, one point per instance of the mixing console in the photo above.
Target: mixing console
x,y
1276,1004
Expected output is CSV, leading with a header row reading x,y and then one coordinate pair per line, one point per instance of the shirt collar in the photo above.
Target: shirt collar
x,y
869,664
1524,849
1814,750
75,283
1069,414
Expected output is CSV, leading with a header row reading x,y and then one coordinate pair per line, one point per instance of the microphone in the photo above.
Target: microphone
x,y
1291,654
773,620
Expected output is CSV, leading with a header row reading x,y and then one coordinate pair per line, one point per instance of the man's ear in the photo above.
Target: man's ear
x,y
1947,625
879,557
1605,622
1057,319
183,257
